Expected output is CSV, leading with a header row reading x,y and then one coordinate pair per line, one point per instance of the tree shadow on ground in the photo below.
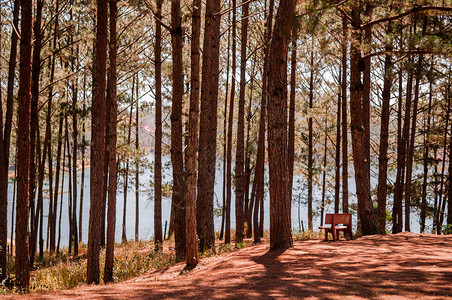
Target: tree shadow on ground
x,y
402,265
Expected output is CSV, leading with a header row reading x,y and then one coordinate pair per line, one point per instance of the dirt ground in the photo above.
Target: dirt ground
x,y
401,266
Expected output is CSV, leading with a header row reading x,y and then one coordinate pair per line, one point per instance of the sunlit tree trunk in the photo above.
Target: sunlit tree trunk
x,y
280,223
158,238
112,108
208,125
177,158
97,143
22,263
5,143
190,197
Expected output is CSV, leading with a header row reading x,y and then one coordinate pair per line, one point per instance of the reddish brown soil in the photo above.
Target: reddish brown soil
x,y
402,266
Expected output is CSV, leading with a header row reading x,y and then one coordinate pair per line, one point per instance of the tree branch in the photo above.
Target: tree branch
x,y
414,10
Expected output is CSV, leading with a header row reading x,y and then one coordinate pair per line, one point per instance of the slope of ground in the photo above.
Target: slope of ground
x,y
401,266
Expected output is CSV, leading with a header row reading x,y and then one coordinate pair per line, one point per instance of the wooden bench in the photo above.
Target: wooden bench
x,y
341,222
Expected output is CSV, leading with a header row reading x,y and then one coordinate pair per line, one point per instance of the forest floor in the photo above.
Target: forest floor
x,y
400,266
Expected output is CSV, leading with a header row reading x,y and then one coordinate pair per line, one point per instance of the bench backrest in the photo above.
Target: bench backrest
x,y
345,219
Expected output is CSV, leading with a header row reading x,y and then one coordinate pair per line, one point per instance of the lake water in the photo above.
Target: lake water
x,y
146,219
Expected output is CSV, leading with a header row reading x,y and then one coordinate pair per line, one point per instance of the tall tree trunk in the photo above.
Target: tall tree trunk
x,y
280,222
359,137
126,180
190,197
426,154
57,186
177,158
249,202
53,201
208,125
5,143
82,183
293,87
137,165
70,202
337,159
310,136
344,118
158,238
35,151
61,198
397,212
112,110
384,135
438,212
325,151
367,86
240,160
23,147
410,149
260,160
227,238
97,143
225,140
74,155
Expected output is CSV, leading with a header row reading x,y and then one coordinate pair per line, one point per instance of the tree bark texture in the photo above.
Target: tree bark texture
x,y
112,108
97,143
158,238
208,125
177,155
23,147
190,171
359,137
280,223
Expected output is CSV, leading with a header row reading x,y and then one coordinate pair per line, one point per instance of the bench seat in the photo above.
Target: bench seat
x,y
340,222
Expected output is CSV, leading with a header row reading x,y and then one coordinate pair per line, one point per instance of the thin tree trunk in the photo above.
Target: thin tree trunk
x,y
190,197
97,143
69,164
227,238
280,222
112,110
425,156
310,136
61,200
344,118
126,180
337,159
57,186
441,200
367,86
260,160
13,206
137,166
22,263
158,238
74,156
249,201
291,134
5,143
325,151
409,164
397,208
384,135
82,183
240,161
177,157
208,125
35,151
225,128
